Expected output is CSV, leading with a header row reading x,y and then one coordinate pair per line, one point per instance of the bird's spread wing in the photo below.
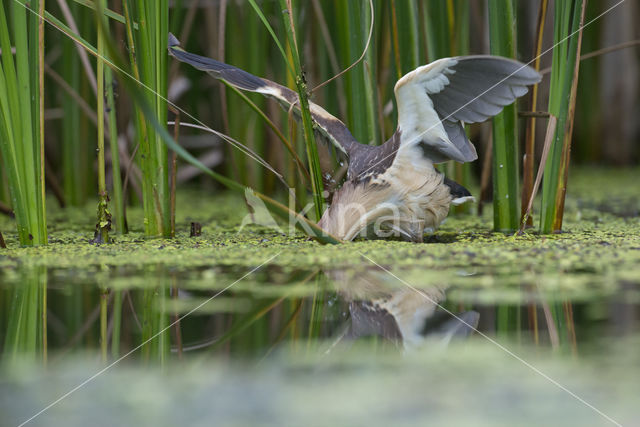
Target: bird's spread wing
x,y
434,100
327,126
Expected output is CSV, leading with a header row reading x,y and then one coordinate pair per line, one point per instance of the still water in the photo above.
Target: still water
x,y
164,346
470,328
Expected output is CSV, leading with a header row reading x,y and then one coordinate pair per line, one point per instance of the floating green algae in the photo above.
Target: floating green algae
x,y
601,242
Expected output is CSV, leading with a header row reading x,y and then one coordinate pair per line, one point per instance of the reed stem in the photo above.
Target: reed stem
x,y
307,124
21,136
148,53
104,342
42,211
502,30
116,192
566,145
104,217
116,318
567,20
530,136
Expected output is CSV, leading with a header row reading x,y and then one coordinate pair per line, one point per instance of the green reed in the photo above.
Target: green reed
x,y
353,20
156,335
530,136
110,106
447,34
148,54
307,123
506,160
238,167
117,190
104,341
4,188
104,217
77,144
106,110
438,30
21,126
588,100
116,318
26,319
567,37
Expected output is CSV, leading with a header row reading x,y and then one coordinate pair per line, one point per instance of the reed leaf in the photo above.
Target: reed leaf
x,y
77,180
307,123
567,40
447,34
436,22
272,33
21,139
502,31
460,33
26,333
156,335
438,40
148,47
529,156
355,22
588,114
458,18
370,70
300,165
105,11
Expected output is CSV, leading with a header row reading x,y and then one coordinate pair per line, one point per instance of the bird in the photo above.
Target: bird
x,y
405,316
394,189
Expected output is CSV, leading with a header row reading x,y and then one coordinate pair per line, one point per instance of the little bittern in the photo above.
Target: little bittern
x,y
394,187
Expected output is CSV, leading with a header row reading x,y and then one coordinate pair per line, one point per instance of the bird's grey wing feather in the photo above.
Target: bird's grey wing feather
x,y
480,86
436,99
457,135
331,129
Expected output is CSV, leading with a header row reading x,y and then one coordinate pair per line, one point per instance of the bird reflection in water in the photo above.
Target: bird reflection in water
x,y
405,316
